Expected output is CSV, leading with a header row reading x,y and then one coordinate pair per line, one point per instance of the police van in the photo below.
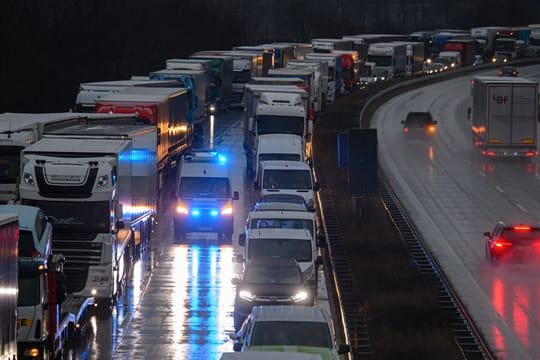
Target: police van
x,y
204,200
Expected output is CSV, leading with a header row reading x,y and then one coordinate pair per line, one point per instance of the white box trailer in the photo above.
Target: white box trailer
x,y
99,191
504,116
415,57
390,59
91,92
9,234
309,76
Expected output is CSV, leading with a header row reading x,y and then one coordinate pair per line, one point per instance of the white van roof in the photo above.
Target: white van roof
x,y
284,165
289,313
299,234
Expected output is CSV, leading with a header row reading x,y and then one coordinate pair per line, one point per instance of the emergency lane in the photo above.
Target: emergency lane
x,y
178,303
454,195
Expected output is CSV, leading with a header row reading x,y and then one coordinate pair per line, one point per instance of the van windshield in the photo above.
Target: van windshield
x,y
279,156
300,250
273,223
292,333
287,179
204,187
269,124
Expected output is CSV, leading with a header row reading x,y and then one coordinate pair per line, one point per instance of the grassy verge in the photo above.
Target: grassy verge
x,y
404,318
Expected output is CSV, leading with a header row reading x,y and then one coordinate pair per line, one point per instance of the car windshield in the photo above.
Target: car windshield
x,y
269,124
273,275
287,179
300,250
523,235
265,223
292,333
279,156
204,187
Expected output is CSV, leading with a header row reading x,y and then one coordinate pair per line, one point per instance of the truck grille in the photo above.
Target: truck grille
x,y
65,191
79,256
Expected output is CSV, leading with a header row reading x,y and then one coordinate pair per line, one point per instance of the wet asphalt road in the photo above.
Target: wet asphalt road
x,y
178,301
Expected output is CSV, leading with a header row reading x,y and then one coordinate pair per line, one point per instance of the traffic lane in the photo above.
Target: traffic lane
x,y
187,310
452,203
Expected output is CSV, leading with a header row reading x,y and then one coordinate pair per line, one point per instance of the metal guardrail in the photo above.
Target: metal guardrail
x,y
466,334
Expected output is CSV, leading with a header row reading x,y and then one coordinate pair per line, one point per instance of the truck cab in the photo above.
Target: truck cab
x,y
204,200
451,59
287,177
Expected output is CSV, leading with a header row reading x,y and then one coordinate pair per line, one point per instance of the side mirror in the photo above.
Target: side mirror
x,y
235,281
344,349
488,234
435,122
256,186
321,240
236,196
119,224
316,186
237,346
318,261
242,239
403,121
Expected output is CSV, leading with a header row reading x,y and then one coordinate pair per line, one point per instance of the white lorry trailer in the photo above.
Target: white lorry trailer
x,y
9,235
279,147
504,116
321,74
99,191
91,92
19,130
308,75
390,59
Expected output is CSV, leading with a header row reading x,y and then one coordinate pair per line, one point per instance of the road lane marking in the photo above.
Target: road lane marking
x,y
521,208
499,189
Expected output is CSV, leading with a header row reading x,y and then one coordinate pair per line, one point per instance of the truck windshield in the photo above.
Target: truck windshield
x,y
269,124
380,60
287,179
204,187
9,164
292,333
76,216
29,294
273,223
26,243
300,250
241,77
279,156
505,45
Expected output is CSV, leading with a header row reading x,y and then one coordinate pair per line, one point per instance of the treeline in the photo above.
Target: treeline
x,y
49,46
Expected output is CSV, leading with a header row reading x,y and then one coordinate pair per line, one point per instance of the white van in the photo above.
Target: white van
x,y
294,243
204,200
279,147
286,177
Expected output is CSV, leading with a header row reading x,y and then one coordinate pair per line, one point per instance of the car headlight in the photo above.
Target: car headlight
x,y
227,210
212,108
300,296
28,178
246,295
182,209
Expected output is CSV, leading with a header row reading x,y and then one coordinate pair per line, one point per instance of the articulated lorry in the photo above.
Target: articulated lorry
x,y
221,78
390,59
415,57
335,72
165,108
313,89
9,237
99,191
504,116
465,47
19,130
320,68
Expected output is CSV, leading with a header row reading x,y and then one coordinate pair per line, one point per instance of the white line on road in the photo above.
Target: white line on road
x,y
499,189
521,208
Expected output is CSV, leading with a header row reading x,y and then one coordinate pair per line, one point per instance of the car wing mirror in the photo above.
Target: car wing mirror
x,y
403,121
236,196
237,346
488,234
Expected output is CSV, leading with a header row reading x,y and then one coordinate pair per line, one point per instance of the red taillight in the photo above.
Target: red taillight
x,y
488,153
530,153
522,228
501,244
405,129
